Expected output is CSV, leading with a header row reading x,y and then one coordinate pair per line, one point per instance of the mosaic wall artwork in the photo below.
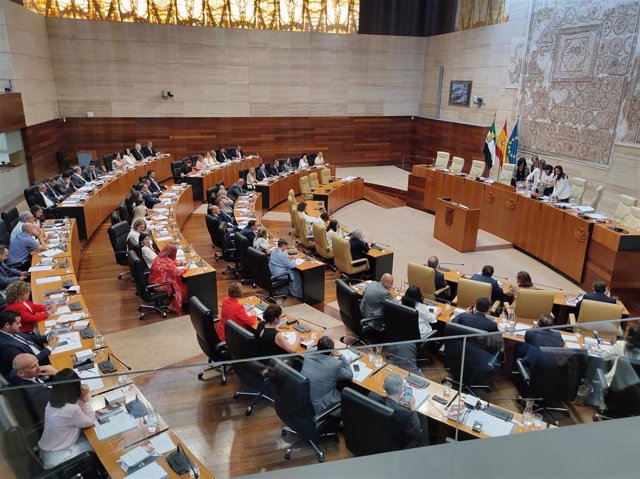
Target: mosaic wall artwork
x,y
580,92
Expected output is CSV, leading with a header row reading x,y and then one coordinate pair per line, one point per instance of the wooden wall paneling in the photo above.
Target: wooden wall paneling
x,y
41,142
11,112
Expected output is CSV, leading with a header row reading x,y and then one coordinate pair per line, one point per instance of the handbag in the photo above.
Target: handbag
x,y
180,462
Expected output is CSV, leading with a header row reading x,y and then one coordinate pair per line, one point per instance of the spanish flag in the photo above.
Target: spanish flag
x,y
501,144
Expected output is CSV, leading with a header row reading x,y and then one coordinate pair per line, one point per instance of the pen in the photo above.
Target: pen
x,y
378,370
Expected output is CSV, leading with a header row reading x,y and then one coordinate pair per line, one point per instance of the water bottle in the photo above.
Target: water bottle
x,y
152,420
527,415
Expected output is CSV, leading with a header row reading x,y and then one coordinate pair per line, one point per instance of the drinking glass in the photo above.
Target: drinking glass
x,y
98,341
152,420
446,392
537,420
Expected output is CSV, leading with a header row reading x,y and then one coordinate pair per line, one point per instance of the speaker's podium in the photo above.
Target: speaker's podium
x,y
456,225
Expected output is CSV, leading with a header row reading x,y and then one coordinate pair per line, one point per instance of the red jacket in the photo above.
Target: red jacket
x,y
30,313
232,309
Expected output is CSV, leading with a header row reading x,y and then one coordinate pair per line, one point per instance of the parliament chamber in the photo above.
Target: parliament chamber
x,y
246,243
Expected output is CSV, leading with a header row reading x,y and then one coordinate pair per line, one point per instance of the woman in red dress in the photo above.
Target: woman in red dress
x,y
164,269
17,295
232,309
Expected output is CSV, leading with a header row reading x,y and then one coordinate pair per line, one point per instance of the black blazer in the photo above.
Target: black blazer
x,y
234,192
146,151
37,393
155,187
408,431
64,190
11,347
260,175
358,248
221,156
77,180
477,321
227,218
271,170
149,199
496,290
91,176
39,200
51,193
137,154
534,340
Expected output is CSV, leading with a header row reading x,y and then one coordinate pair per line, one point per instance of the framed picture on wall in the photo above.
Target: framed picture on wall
x,y
460,93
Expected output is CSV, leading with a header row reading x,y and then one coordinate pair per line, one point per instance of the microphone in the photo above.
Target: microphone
x,y
453,264
597,338
378,242
547,286
107,366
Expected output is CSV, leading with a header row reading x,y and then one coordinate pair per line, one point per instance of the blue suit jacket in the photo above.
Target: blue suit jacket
x,y
10,348
496,290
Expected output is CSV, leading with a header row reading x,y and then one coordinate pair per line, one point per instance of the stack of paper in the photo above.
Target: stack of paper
x,y
91,377
162,443
153,470
51,253
118,423
363,371
134,457
72,341
66,318
290,337
35,269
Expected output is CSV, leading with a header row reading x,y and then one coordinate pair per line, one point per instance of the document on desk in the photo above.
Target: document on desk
x,y
164,238
72,342
117,423
152,471
570,345
35,269
491,426
50,279
134,458
299,261
50,253
91,377
67,318
62,310
420,396
290,337
363,373
162,443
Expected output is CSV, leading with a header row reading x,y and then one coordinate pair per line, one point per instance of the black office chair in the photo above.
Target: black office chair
x,y
242,345
229,251
292,399
115,217
10,216
216,350
400,322
107,161
211,193
175,171
18,450
148,292
365,329
118,237
212,227
258,264
124,213
553,378
194,158
367,425
5,234
133,245
30,416
480,359
242,245
622,397
28,195
243,174
130,204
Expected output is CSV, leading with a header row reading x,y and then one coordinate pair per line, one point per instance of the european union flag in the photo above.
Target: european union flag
x,y
512,145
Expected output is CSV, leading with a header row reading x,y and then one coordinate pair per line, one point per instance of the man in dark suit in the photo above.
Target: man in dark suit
x,y
272,170
600,293
40,198
535,338
221,156
359,248
154,186
324,371
27,372
147,196
408,430
64,186
261,173
434,262
249,231
476,316
487,277
137,152
223,215
236,190
92,173
279,166
148,151
76,177
14,342
51,192
238,153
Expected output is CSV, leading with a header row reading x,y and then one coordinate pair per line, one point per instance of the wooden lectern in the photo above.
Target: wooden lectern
x,y
456,225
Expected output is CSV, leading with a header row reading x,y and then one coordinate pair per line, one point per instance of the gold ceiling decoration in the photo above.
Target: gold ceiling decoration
x,y
324,16
481,13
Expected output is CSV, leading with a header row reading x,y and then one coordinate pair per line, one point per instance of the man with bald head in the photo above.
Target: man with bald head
x,y
434,262
22,246
27,372
375,295
137,152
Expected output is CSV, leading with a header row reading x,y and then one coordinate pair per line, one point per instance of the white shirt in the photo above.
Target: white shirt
x,y
561,189
133,234
261,244
319,160
48,203
149,255
534,177
425,320
303,164
62,425
330,235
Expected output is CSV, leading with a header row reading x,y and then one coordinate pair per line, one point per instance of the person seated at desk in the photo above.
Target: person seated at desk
x,y
232,309
279,166
261,242
64,186
222,215
148,151
76,177
272,170
288,165
22,247
561,188
280,263
251,179
487,277
236,191
304,162
137,152
200,166
434,262
324,370
523,281
535,338
149,198
208,160
600,293
374,296
359,248
413,298
68,412
92,173
238,153
49,192
333,229
477,316
164,269
27,372
222,155
223,201
154,186
323,219
629,348
8,274
262,173
38,215
138,227
270,341
148,248
17,296
408,430
24,217
319,161
14,342
249,231
128,157
520,172
308,220
186,168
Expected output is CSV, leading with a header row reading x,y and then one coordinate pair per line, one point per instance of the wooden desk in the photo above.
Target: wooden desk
x,y
108,196
67,237
312,273
229,172
455,225
275,190
380,262
200,281
339,193
248,207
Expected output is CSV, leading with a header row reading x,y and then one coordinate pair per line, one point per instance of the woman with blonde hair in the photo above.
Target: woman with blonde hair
x,y
261,243
250,184
319,161
17,296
